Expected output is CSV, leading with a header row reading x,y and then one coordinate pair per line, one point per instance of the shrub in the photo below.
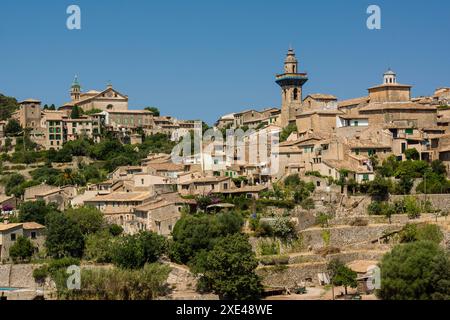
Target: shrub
x,y
269,248
21,250
359,222
421,232
274,261
323,219
147,283
41,273
134,251
412,207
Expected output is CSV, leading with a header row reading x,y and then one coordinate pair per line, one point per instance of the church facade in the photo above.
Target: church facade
x,y
107,100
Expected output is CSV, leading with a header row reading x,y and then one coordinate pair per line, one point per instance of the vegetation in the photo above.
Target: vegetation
x,y
193,234
36,211
155,111
8,105
421,232
287,131
341,275
21,250
64,237
415,271
229,269
146,283
134,251
13,128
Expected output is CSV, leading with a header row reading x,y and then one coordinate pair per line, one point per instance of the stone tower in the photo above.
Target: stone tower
x,y
75,90
291,83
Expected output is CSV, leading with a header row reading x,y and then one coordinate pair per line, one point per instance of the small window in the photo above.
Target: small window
x,y
318,183
33,235
13,237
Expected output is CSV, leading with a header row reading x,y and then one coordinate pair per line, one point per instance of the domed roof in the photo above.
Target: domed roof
x,y
390,73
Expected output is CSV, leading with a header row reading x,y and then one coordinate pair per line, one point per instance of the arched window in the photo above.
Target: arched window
x,y
295,94
109,107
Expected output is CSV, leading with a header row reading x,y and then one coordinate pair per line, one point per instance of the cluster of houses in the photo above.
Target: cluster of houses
x,y
332,137
105,110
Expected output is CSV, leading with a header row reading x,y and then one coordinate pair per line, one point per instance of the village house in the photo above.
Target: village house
x,y
204,185
9,233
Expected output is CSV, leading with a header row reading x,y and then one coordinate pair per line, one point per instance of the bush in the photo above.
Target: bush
x,y
274,261
99,247
22,250
323,219
115,230
134,251
421,232
359,222
412,207
147,283
269,248
41,273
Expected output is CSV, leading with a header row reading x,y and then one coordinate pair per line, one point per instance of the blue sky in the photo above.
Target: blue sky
x,y
201,59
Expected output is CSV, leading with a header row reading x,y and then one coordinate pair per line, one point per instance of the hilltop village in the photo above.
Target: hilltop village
x,y
344,183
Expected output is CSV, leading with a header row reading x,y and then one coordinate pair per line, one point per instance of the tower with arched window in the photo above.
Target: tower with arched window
x,y
291,83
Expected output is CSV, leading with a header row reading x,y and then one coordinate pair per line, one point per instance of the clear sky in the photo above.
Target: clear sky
x,y
201,59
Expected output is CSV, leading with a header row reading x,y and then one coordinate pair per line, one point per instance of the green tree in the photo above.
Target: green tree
x,y
7,106
35,211
64,238
21,250
11,182
287,131
341,275
379,188
115,230
76,112
99,247
155,111
412,154
229,269
195,233
134,251
13,128
415,271
89,219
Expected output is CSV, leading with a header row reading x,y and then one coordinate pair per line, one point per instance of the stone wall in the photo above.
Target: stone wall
x,y
291,276
357,205
342,236
17,276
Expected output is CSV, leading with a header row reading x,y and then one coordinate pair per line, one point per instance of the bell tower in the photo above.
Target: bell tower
x,y
75,90
291,83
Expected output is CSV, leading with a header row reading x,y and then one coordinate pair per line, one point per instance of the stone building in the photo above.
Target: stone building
x,y
29,113
108,99
9,233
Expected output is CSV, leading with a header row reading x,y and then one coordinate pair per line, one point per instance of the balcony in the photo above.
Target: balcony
x,y
286,79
